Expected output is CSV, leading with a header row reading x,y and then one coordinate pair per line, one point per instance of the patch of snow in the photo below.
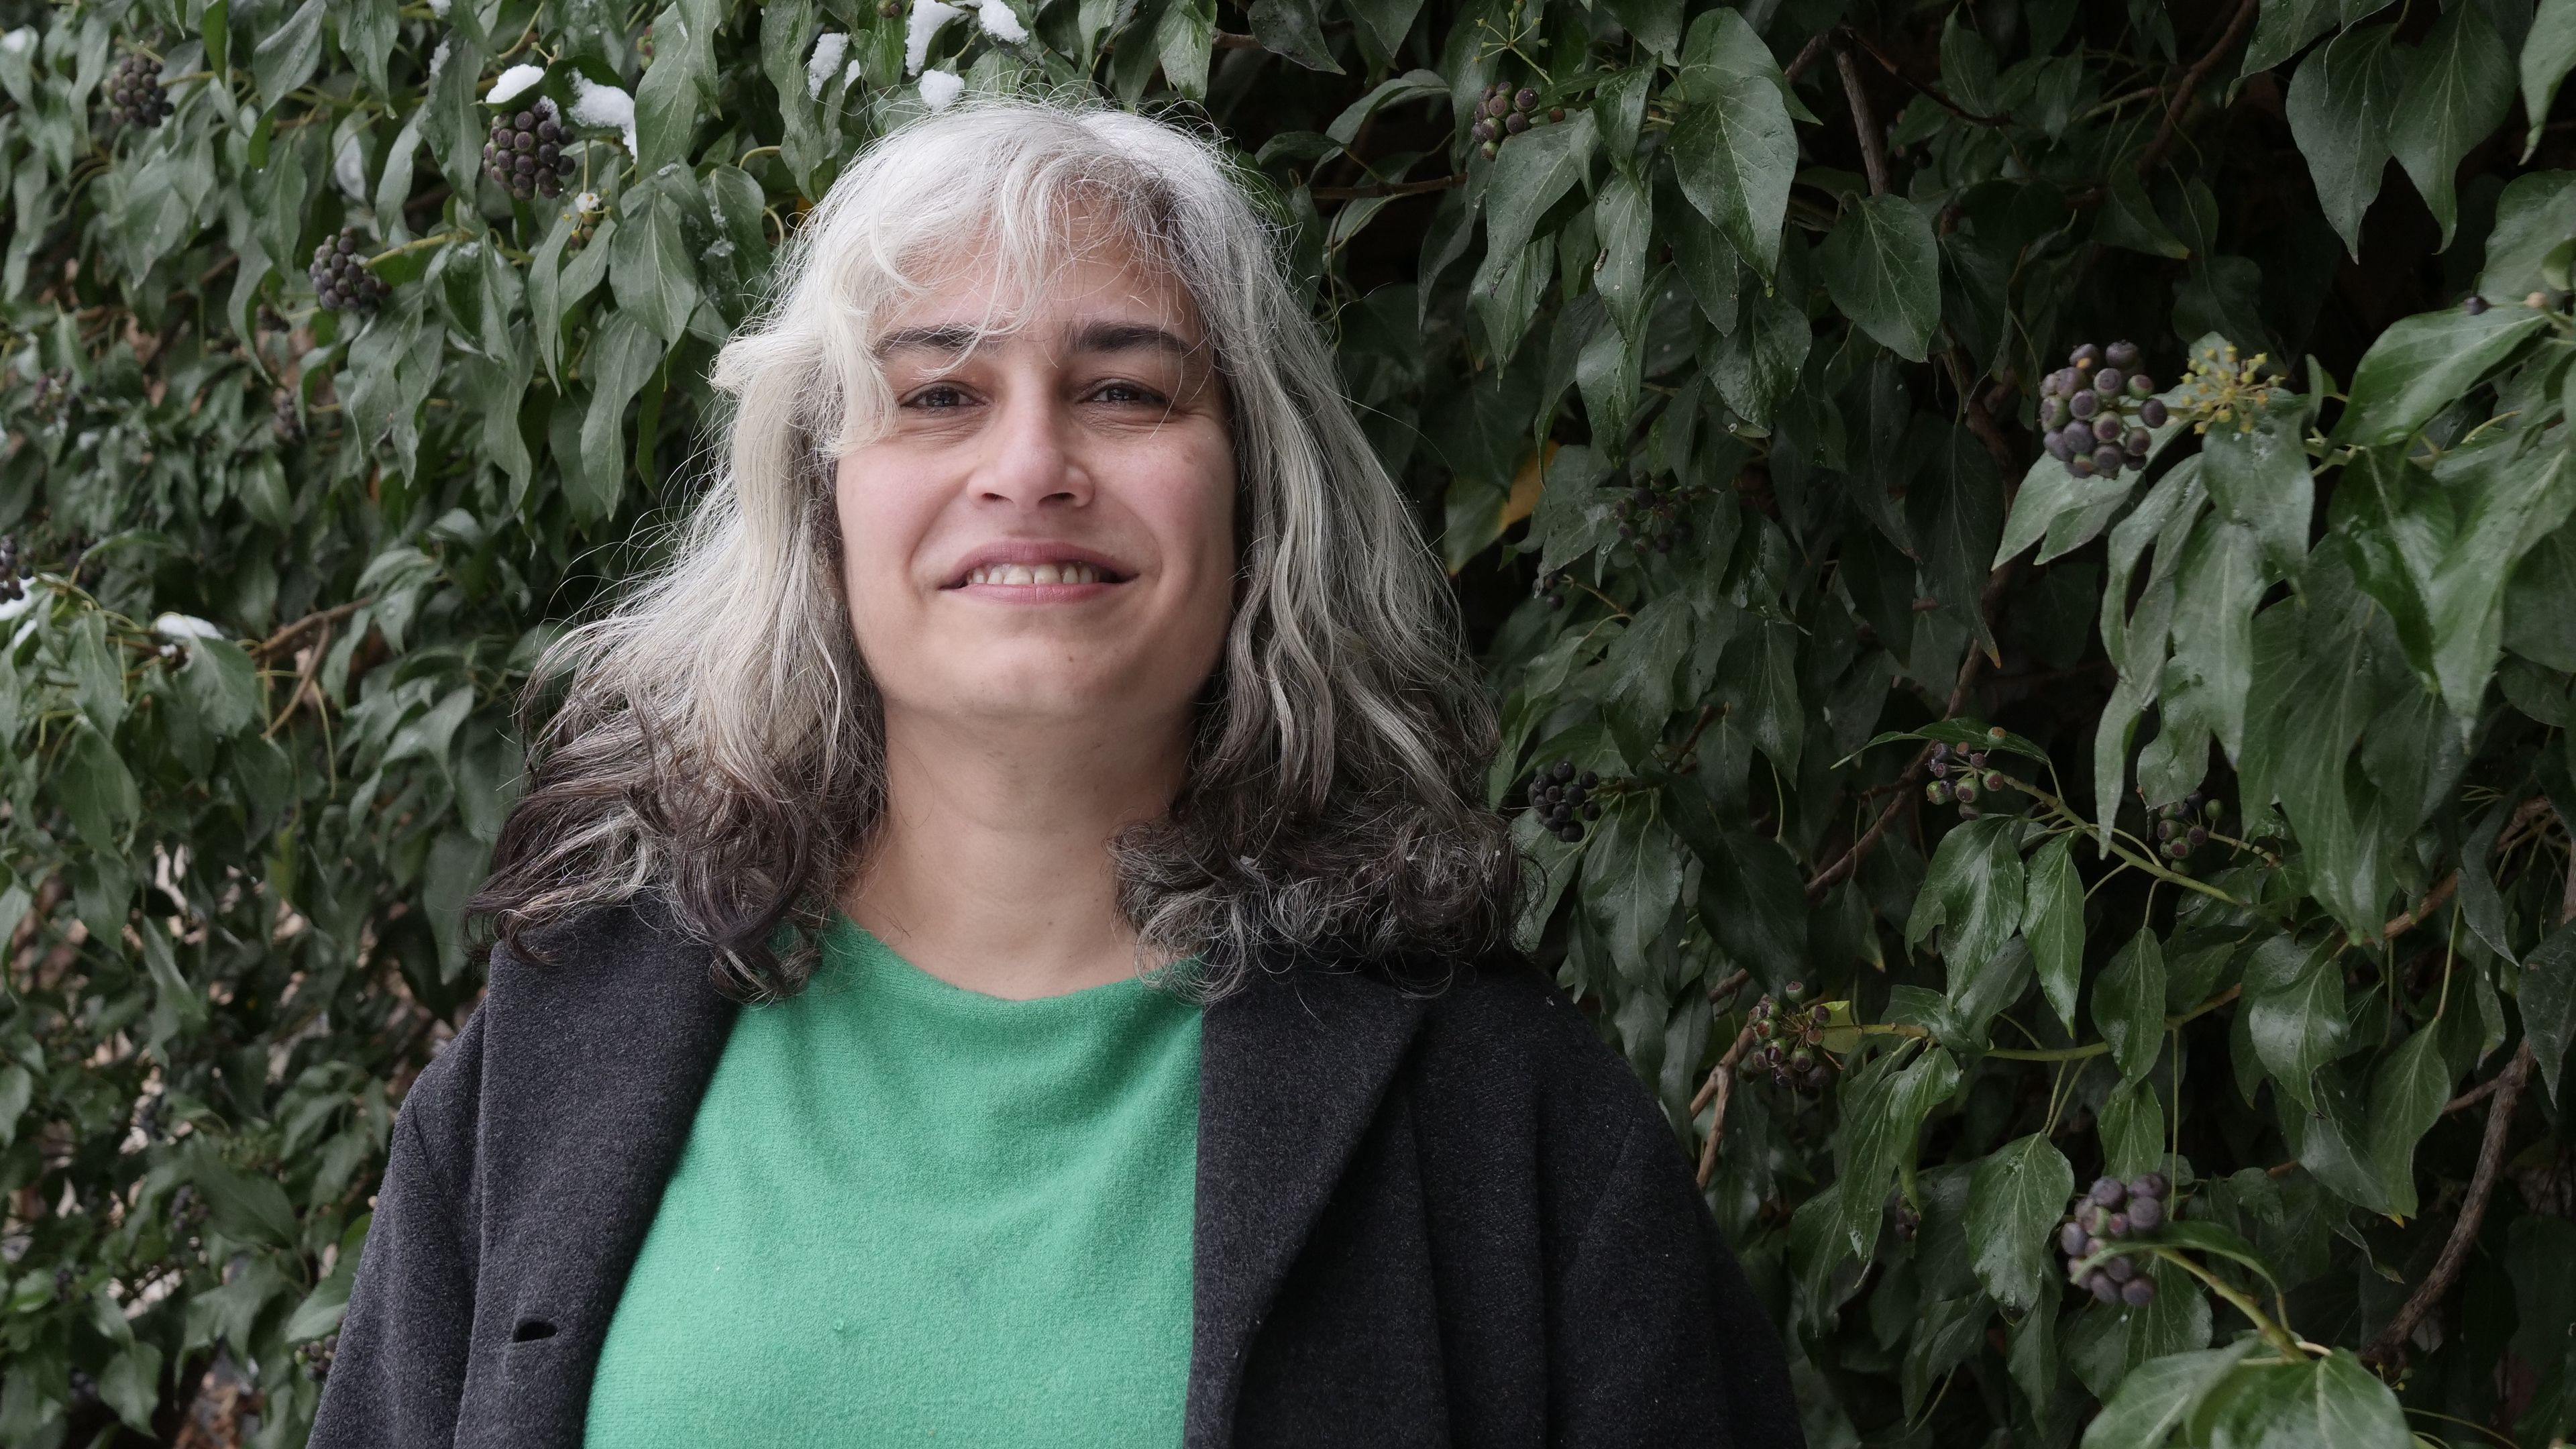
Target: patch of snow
x,y
829,47
438,8
349,167
438,58
12,608
512,83
19,41
184,627
1001,22
927,17
940,89
594,104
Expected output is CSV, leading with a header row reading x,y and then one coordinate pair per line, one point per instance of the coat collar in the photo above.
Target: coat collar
x,y
600,1062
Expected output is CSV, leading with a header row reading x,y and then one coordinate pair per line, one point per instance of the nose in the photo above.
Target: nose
x,y
1031,463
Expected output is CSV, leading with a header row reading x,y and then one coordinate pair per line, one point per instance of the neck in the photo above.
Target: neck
x,y
990,866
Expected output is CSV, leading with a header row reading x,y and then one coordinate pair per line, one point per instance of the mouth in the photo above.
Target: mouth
x,y
1022,575
1037,570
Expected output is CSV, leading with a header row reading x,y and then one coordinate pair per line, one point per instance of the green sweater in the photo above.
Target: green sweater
x,y
910,1213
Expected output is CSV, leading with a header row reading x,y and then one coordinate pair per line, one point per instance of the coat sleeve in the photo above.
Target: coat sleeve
x,y
399,1370
1659,1339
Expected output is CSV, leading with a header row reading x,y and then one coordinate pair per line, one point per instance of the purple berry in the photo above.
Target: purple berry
x,y
2152,412
2119,1270
2108,381
2146,1214
2474,304
2107,461
2106,428
2085,404
2138,1292
2149,1184
2070,1240
2108,1192
2102,1287
2121,354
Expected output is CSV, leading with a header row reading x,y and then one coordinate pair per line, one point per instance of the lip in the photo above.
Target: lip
x,y
1037,551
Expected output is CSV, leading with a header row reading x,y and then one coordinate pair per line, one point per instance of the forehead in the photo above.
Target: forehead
x,y
1077,271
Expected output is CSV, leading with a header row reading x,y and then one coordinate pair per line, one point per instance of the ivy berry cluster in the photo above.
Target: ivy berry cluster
x,y
1549,589
2183,826
526,154
2108,1212
1960,776
314,1356
1650,517
1789,1036
340,275
283,419
1504,113
134,95
1562,800
2094,412
11,591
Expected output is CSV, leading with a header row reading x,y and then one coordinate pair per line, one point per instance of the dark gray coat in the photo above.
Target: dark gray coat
x,y
1454,1219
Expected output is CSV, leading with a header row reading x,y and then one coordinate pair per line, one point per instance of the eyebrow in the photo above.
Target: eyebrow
x,y
1095,337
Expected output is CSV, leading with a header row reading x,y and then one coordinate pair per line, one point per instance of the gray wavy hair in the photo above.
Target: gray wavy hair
x,y
718,746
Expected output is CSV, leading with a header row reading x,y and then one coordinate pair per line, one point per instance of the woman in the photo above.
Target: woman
x,y
1003,943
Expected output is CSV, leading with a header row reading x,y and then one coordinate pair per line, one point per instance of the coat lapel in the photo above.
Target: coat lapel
x,y
593,1072
1291,1070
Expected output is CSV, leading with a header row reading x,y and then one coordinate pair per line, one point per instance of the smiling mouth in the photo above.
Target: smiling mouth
x,y
1021,575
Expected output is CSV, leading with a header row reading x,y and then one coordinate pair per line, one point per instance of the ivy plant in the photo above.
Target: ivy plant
x,y
2024,548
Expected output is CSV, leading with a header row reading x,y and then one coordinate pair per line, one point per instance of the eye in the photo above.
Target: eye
x,y
1126,394
938,396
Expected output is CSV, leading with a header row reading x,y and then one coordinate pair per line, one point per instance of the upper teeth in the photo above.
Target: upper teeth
x,y
1045,573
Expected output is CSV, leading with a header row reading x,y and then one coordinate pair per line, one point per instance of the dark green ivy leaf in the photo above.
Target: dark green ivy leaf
x,y
2129,1005
2014,1203
1973,892
1883,270
2549,1002
2053,923
2339,107
2461,87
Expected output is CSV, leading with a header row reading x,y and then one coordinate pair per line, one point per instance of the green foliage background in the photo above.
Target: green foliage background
x,y
1789,273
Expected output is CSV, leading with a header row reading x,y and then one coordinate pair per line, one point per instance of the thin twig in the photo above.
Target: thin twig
x,y
1873,142
1808,53
2166,129
1731,984
291,632
1719,1087
1833,875
1927,92
1391,188
2386,1348
2473,1095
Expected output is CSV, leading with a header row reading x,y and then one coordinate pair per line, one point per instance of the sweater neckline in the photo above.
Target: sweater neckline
x,y
862,960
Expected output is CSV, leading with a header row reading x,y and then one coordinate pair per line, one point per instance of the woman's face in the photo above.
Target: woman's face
x,y
1045,531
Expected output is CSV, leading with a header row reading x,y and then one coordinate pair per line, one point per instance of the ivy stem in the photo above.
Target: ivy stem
x,y
419,243
2068,814
2273,1333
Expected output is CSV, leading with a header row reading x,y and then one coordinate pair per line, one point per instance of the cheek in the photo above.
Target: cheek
x,y
881,521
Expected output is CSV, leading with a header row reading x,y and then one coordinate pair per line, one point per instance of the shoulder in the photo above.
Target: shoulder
x,y
1504,1065
1503,1017
578,1009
